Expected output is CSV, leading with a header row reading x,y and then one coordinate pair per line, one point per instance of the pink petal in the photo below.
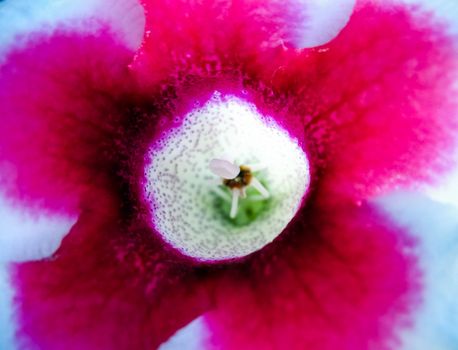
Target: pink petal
x,y
341,277
377,112
61,105
378,102
207,36
111,285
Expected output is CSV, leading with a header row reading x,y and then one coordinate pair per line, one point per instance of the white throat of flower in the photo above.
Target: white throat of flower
x,y
212,207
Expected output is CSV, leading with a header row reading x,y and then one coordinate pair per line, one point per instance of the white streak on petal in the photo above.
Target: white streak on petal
x,y
235,203
26,235
191,337
446,191
445,10
224,168
324,21
125,17
6,311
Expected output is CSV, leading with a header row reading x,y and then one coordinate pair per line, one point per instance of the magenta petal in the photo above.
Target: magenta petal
x,y
61,103
341,278
377,103
374,110
109,286
213,37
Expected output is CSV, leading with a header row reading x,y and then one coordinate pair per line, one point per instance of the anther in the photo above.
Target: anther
x,y
235,203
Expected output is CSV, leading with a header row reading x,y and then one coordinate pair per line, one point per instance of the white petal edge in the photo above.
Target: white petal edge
x,y
125,17
193,336
446,191
6,311
29,235
436,227
444,10
324,21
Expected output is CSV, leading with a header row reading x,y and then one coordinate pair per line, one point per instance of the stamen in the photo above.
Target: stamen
x,y
259,187
235,203
237,179
223,168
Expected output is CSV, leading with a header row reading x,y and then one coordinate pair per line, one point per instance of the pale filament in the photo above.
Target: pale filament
x,y
259,187
235,203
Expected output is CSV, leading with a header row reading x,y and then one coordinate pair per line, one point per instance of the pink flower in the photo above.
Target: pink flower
x,y
86,122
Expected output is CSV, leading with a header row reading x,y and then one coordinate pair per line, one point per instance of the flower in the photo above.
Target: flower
x,y
89,134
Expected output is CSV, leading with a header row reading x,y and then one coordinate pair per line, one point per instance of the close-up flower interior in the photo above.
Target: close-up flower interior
x,y
228,174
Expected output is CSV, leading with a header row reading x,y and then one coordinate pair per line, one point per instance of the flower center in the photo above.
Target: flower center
x,y
214,207
239,187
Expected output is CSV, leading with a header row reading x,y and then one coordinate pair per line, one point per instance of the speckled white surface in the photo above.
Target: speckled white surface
x,y
180,182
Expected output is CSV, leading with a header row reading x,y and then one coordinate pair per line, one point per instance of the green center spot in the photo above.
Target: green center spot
x,y
250,208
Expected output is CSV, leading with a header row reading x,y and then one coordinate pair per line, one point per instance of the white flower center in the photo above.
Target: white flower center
x,y
226,182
